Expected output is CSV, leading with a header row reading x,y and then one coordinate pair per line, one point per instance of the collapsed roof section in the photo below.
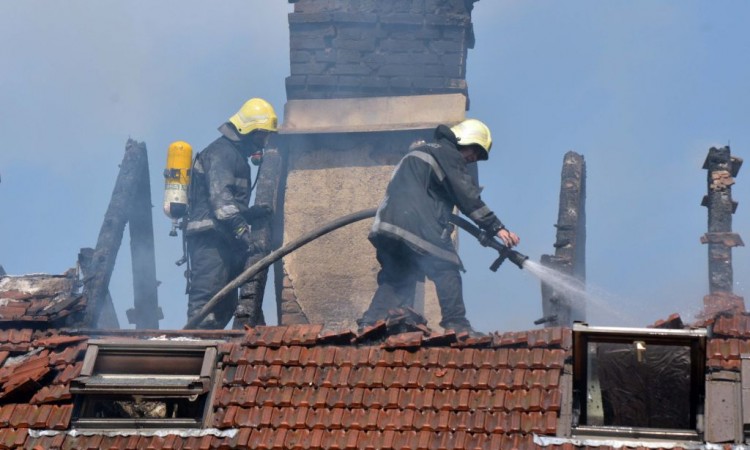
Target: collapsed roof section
x,y
39,300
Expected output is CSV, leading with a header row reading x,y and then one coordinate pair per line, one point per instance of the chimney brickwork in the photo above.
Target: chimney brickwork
x,y
368,78
722,168
378,48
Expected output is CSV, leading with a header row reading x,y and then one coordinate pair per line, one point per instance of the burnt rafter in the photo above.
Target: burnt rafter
x,y
130,203
722,169
570,244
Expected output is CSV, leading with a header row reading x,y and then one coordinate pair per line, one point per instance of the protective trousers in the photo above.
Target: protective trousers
x,y
215,261
250,306
400,269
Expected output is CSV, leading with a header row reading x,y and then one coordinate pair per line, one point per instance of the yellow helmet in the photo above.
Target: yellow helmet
x,y
255,114
473,131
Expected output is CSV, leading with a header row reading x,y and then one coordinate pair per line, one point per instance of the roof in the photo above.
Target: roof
x,y
395,385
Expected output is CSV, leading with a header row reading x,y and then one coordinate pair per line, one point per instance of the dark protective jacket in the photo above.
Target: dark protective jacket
x,y
219,191
427,183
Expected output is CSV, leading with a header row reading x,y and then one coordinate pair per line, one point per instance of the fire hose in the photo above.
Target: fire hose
x,y
484,238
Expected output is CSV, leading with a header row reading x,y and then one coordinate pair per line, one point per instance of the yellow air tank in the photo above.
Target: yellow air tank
x,y
176,181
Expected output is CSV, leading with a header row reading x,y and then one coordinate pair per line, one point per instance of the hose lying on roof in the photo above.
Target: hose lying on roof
x,y
248,273
275,255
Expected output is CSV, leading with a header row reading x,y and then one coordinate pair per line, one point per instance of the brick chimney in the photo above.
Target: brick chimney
x,y
367,79
722,168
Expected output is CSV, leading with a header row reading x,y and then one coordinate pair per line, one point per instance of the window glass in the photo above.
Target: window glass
x,y
638,384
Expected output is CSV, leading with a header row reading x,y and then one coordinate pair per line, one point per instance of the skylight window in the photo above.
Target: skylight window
x,y
141,384
638,382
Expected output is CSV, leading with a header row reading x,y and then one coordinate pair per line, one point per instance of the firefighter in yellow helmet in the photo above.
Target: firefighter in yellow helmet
x,y
411,232
218,235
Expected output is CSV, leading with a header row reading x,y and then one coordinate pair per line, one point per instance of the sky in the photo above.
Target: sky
x,y
642,89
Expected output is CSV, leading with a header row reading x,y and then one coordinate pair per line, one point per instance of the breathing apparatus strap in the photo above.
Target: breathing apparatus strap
x,y
257,176
186,259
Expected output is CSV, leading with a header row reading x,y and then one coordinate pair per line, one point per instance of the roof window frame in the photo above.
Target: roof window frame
x,y
695,339
110,373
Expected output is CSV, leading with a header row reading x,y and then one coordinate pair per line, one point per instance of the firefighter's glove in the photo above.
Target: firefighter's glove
x,y
257,212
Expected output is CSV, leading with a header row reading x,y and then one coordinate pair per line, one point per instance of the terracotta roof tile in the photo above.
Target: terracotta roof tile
x,y
52,393
725,353
13,438
268,336
58,340
302,334
293,386
737,325
329,337
15,339
68,355
68,373
404,340
39,417
439,339
502,379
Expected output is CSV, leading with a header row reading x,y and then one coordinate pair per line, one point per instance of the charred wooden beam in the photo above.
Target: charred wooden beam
x,y
113,227
250,306
108,316
722,167
570,244
146,312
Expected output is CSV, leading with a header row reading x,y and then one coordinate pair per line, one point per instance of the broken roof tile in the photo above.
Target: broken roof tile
x,y
674,321
404,340
53,393
22,382
329,337
55,341
373,331
302,334
68,373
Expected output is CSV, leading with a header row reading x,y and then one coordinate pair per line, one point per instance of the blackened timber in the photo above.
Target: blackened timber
x,y
722,168
146,312
570,244
249,309
108,316
113,227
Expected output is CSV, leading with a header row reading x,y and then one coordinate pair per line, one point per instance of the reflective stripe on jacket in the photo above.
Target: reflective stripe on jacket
x,y
219,189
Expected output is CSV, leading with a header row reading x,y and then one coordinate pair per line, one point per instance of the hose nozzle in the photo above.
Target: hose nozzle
x,y
514,256
517,258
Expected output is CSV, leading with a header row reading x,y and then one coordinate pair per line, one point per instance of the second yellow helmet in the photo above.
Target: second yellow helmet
x,y
255,114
